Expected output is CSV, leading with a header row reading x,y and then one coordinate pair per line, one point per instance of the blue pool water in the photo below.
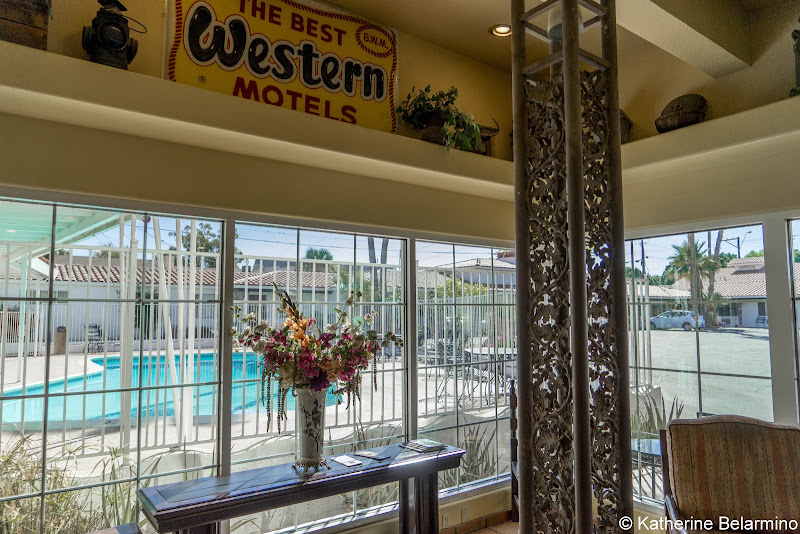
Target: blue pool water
x,y
76,411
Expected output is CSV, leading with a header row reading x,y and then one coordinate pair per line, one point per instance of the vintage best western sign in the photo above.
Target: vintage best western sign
x,y
283,53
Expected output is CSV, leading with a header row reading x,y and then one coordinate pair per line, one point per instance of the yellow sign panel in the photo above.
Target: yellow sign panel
x,y
284,53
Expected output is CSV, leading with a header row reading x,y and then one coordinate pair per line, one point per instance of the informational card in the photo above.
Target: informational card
x,y
347,461
372,455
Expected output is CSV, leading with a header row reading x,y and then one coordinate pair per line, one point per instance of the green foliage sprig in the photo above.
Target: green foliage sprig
x,y
422,106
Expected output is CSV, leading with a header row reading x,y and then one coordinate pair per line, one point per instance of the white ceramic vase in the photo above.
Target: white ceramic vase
x,y
310,413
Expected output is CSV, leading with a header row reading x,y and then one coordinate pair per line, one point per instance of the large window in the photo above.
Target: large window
x,y
110,367
466,345
112,372
320,270
699,342
109,344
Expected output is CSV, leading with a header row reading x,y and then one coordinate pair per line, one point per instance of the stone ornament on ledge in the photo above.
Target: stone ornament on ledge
x,y
625,125
683,111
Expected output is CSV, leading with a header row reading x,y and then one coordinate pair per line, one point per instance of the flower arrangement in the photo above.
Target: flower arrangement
x,y
299,354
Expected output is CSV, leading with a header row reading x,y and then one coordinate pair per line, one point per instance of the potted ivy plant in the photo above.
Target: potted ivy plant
x,y
436,114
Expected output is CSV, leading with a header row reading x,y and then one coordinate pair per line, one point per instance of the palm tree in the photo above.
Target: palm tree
x,y
684,261
318,254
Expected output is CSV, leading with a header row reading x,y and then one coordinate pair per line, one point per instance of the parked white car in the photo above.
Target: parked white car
x,y
676,319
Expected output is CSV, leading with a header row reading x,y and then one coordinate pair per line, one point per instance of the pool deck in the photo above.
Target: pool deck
x,y
61,366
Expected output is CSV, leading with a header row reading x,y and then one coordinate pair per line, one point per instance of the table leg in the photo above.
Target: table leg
x,y
426,509
203,529
406,507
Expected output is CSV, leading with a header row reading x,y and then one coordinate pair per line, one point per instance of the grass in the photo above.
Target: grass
x,y
68,512
20,474
654,419
478,463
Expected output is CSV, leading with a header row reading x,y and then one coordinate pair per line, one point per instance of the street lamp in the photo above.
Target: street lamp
x,y
739,242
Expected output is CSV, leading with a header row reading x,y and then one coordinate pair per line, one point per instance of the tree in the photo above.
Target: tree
x,y
208,241
384,250
712,279
688,257
318,254
715,257
373,259
760,254
104,253
637,273
725,258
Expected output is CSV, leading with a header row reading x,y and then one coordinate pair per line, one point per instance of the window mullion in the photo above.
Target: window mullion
x,y
411,341
226,347
777,251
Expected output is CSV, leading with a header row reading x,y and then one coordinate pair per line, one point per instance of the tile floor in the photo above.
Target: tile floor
x,y
508,527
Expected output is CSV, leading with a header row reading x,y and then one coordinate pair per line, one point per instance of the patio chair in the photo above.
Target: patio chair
x,y
732,466
94,338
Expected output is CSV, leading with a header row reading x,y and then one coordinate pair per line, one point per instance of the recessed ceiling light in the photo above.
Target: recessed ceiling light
x,y
500,30
11,231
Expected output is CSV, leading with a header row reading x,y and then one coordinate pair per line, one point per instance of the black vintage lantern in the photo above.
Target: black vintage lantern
x,y
108,39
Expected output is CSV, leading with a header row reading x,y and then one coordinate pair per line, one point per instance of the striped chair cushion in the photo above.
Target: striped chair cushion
x,y
734,466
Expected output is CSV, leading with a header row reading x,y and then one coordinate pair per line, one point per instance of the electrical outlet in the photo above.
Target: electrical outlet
x,y
464,514
445,521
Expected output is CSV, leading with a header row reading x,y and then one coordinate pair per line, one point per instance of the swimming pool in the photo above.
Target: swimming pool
x,y
89,410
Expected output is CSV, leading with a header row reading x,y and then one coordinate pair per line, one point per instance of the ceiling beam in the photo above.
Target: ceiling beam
x,y
36,264
711,35
100,221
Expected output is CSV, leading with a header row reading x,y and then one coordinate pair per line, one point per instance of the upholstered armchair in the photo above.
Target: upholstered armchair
x,y
730,466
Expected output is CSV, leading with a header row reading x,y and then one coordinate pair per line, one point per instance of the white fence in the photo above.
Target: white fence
x,y
98,324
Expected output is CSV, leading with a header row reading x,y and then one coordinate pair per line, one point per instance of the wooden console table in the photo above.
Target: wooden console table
x,y
196,506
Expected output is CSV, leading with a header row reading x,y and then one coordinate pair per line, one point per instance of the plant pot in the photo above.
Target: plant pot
x,y
433,134
433,118
310,414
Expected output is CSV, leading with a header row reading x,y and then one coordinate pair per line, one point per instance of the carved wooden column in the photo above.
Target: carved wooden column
x,y
574,415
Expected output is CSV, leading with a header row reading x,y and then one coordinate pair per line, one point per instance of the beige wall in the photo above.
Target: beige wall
x,y
483,91
483,505
111,165
650,77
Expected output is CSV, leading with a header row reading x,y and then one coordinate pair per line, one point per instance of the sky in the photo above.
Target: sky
x,y
657,250
282,242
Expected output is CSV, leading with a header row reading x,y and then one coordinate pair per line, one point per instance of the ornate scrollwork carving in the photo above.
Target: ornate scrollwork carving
x,y
603,332
553,479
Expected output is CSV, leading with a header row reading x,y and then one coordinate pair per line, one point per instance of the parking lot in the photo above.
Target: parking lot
x,y
743,352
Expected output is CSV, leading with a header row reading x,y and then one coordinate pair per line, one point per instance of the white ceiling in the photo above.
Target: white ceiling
x,y
458,25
